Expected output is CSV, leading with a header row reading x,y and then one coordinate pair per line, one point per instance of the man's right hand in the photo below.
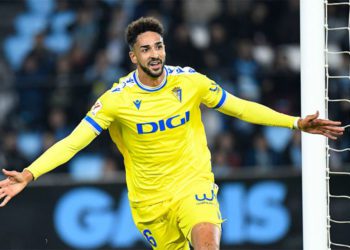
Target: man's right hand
x,y
13,184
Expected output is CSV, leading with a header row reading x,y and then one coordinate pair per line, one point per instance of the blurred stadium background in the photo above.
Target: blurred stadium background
x,y
58,56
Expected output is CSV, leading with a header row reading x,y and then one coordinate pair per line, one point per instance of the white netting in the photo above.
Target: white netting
x,y
333,24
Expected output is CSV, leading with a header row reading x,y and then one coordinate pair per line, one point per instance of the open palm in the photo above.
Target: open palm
x,y
11,186
313,125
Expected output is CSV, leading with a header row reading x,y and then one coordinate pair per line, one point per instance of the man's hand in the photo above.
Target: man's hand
x,y
13,184
311,124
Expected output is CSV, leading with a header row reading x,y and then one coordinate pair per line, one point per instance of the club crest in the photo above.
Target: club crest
x,y
177,91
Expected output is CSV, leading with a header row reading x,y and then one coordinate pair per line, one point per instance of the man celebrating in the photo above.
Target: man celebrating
x,y
153,117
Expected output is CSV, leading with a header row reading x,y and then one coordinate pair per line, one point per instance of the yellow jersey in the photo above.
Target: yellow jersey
x,y
159,131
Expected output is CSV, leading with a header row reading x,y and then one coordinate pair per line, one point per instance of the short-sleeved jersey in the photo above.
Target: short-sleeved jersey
x,y
159,131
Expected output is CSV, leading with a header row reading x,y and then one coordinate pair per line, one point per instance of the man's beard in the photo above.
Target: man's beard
x,y
149,72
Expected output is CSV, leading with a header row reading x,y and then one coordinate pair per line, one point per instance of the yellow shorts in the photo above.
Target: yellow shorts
x,y
168,224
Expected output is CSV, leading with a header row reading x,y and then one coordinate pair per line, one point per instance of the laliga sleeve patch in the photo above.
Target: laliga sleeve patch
x,y
97,106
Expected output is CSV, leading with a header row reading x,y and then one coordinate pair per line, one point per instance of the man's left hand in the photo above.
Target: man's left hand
x,y
313,125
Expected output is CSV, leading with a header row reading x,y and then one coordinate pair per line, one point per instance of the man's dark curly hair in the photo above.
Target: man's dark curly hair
x,y
140,26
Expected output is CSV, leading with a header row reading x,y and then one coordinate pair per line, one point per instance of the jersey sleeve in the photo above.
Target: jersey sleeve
x,y
63,150
212,95
101,115
256,113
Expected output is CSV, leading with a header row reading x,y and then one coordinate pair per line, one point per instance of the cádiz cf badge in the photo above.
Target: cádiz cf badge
x,y
177,91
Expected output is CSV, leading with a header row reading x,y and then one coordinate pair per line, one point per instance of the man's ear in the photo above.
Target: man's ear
x,y
132,57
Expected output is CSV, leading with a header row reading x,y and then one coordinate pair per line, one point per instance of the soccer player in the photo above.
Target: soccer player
x,y
153,117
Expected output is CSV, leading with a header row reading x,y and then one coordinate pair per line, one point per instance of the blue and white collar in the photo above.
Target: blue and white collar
x,y
148,88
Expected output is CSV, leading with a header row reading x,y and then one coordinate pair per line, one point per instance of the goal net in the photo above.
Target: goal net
x,y
337,94
325,86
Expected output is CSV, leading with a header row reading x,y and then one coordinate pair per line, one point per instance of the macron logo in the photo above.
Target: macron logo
x,y
137,103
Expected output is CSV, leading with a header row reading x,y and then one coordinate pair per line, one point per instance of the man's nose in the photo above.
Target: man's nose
x,y
155,53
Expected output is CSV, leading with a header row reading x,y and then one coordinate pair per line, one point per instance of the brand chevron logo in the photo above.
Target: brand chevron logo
x,y
137,103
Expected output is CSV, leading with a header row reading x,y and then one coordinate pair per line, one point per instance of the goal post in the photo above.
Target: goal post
x,y
314,183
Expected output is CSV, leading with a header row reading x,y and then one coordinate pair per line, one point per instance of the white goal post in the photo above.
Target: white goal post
x,y
314,183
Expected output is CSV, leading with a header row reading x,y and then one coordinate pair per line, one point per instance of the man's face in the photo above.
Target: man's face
x,y
148,53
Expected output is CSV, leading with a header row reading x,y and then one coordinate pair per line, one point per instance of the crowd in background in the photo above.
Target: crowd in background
x,y
249,47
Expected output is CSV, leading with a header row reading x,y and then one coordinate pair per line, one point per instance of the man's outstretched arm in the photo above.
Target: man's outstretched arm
x,y
58,154
259,114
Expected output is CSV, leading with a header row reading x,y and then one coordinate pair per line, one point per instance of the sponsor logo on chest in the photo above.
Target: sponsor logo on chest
x,y
164,124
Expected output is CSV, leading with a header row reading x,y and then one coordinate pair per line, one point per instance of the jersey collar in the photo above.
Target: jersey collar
x,y
148,88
